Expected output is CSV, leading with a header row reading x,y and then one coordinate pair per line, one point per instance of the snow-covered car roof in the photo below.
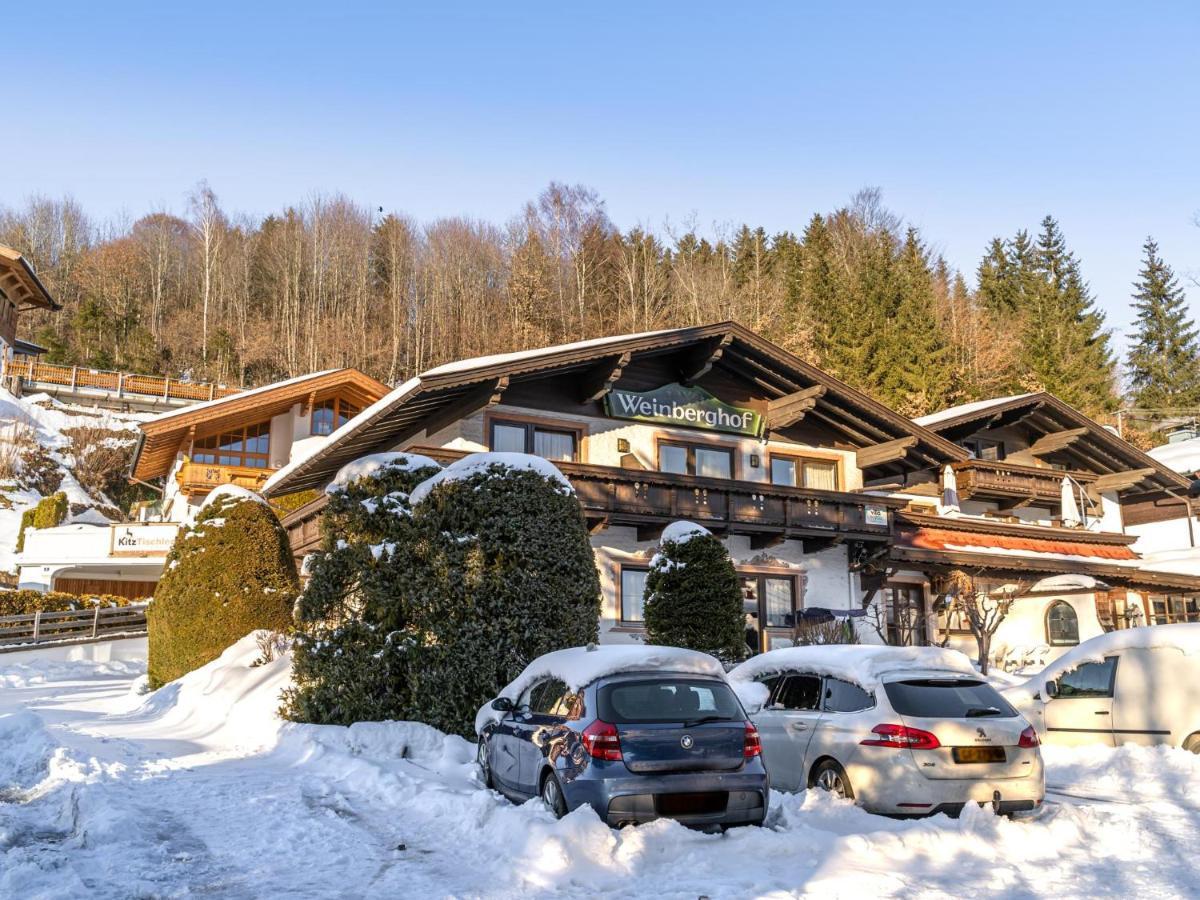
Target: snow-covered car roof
x,y
863,664
1182,637
580,666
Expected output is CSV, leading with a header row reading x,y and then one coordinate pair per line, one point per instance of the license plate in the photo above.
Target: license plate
x,y
979,754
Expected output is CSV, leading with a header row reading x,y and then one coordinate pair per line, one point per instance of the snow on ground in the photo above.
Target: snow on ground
x,y
107,793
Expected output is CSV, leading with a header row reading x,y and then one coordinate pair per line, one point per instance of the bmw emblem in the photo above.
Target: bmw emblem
x,y
686,742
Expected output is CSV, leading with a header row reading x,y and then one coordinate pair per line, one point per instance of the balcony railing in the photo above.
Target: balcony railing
x,y
119,383
197,478
648,500
1008,481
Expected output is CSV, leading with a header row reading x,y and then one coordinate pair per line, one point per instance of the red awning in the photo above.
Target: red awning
x,y
950,539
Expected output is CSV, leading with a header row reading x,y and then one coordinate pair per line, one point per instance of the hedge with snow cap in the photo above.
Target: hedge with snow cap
x,y
227,575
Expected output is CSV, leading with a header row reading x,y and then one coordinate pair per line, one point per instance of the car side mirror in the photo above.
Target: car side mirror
x,y
1051,690
502,704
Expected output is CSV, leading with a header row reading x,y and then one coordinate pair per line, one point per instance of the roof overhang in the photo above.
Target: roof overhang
x,y
20,282
886,441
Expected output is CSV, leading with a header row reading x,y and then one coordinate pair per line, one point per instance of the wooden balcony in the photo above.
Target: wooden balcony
x,y
612,496
200,478
1021,485
82,380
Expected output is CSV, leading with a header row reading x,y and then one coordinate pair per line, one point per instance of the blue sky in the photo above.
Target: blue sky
x,y
973,119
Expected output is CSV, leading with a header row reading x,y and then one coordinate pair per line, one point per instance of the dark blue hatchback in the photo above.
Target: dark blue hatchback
x,y
635,746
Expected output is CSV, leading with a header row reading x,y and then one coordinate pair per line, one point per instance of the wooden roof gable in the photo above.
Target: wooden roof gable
x,y
20,283
1068,437
161,437
886,440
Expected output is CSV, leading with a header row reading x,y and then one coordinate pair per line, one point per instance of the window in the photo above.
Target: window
x,y
695,459
1089,680
633,594
546,697
249,446
800,692
947,698
330,415
667,699
557,444
1174,609
770,599
904,605
1062,624
795,471
842,696
985,449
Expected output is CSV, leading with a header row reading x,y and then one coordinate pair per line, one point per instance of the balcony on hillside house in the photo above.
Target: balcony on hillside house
x,y
648,501
200,478
80,383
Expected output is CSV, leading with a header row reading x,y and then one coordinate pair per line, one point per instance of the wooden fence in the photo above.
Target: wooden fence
x,y
71,627
120,383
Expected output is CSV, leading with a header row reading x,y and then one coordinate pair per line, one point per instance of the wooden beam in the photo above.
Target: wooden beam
x,y
1055,441
697,362
1119,481
791,408
482,397
889,451
598,381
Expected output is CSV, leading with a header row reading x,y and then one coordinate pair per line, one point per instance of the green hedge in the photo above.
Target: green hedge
x,y
48,513
26,601
229,574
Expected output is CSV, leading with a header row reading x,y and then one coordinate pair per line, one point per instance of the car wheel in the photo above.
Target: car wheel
x,y
552,795
485,770
829,776
1192,742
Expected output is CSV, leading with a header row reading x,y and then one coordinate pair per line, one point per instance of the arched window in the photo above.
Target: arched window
x,y
1062,624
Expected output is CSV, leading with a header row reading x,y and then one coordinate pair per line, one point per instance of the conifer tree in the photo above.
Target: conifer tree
x,y
997,275
1164,361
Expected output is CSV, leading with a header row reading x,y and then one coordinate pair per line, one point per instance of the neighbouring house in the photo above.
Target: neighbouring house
x,y
712,424
20,290
240,439
1050,509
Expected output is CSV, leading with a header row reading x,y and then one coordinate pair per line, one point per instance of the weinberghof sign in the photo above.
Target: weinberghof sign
x,y
677,404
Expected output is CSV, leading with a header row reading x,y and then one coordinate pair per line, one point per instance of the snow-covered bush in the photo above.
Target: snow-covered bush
x,y
693,598
229,574
349,656
504,572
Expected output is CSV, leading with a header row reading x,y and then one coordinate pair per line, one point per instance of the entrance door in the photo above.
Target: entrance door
x,y
906,620
1081,712
769,602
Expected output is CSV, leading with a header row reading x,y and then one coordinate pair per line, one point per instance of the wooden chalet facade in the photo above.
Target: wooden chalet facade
x,y
20,289
711,424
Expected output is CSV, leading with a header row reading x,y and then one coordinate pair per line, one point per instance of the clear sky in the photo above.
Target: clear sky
x,y
974,119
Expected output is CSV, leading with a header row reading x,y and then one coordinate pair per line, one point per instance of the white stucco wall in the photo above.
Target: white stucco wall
x,y
79,551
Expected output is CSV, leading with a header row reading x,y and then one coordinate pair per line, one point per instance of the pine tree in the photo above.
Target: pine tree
x,y
997,275
1164,361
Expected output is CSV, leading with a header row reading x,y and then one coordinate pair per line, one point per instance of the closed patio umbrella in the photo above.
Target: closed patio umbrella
x,y
949,489
1070,509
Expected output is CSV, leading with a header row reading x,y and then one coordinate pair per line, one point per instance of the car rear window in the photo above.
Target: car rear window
x,y
950,698
667,700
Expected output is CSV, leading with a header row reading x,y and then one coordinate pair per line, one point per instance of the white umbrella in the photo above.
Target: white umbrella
x,y
1070,509
949,489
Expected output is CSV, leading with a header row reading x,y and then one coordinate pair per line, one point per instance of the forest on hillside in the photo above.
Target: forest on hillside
x,y
328,282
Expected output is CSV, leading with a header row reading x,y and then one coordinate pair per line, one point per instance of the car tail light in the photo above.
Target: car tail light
x,y
902,736
1029,738
753,745
602,741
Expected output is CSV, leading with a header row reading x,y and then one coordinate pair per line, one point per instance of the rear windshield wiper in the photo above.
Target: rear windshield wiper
x,y
700,721
979,711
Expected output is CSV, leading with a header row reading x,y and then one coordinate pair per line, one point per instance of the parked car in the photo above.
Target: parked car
x,y
904,731
635,732
1135,686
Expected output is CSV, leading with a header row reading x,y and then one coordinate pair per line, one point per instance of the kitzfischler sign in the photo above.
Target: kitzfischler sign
x,y
677,404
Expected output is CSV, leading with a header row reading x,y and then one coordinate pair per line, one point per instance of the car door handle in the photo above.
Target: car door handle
x,y
1102,712
798,726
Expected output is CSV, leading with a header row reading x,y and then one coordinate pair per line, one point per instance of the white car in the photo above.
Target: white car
x,y
903,731
1135,686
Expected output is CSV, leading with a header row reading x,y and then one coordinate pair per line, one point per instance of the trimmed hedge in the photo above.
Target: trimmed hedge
x,y
48,513
694,599
27,601
229,574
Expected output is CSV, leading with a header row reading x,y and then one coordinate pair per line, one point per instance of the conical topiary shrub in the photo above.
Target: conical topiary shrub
x,y
227,575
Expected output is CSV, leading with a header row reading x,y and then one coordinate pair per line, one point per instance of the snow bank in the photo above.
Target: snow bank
x,y
492,464
26,754
862,664
682,531
34,671
1183,637
365,466
580,666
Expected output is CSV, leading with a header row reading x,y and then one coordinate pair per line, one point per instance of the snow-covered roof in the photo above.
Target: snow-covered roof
x,y
580,666
863,664
209,404
1182,637
366,466
499,359
483,463
1064,583
1182,456
965,409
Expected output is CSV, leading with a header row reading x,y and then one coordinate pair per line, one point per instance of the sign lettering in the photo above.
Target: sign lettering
x,y
677,404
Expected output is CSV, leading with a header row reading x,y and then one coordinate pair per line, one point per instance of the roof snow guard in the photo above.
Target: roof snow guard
x,y
19,282
886,441
1082,443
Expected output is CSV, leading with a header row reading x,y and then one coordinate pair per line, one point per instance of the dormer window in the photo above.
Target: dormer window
x,y
985,449
330,415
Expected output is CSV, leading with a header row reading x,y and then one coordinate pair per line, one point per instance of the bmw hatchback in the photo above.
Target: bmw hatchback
x,y
637,733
